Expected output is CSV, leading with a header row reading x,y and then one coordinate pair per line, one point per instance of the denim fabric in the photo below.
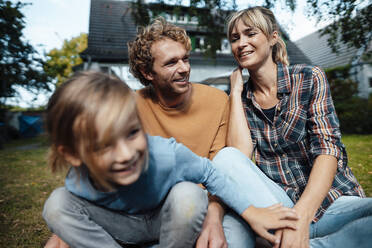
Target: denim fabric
x,y
237,232
261,190
346,223
176,223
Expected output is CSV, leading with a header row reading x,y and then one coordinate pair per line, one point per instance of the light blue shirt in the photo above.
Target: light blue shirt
x,y
169,163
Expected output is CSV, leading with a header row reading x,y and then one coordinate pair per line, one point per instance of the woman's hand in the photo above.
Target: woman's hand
x,y
296,238
236,82
262,220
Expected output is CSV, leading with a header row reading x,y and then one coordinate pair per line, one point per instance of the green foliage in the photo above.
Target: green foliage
x,y
60,62
347,27
354,113
19,62
350,25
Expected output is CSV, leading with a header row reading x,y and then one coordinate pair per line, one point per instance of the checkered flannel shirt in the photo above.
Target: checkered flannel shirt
x,y
305,125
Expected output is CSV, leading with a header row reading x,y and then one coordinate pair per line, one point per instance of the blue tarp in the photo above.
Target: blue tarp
x,y
30,126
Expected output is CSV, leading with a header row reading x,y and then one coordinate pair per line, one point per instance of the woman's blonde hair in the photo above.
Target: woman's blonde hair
x,y
140,57
85,100
263,19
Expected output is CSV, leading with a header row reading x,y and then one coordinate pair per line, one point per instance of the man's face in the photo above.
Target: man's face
x,y
171,68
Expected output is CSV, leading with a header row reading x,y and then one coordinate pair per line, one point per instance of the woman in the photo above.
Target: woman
x,y
285,116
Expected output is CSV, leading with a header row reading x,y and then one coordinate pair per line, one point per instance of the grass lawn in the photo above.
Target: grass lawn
x,y
25,183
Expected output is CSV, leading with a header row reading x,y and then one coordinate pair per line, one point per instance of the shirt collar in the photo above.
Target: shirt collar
x,y
284,82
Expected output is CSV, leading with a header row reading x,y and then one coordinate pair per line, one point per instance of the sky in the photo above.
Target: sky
x,y
50,22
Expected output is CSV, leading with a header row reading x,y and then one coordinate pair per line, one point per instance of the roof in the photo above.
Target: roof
x,y
296,56
111,26
317,50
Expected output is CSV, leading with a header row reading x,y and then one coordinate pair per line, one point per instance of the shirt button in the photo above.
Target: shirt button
x,y
287,171
284,155
278,108
276,144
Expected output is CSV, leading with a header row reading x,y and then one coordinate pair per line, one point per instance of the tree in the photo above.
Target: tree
x,y
351,19
60,62
20,64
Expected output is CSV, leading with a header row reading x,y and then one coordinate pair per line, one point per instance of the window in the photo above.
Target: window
x,y
225,46
194,20
182,18
170,17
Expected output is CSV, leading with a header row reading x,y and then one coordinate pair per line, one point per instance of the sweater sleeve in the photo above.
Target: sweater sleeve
x,y
219,141
190,167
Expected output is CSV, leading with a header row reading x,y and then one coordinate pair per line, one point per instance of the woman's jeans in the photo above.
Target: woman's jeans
x,y
176,223
346,223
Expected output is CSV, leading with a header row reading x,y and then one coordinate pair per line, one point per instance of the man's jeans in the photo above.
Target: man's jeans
x,y
346,223
176,223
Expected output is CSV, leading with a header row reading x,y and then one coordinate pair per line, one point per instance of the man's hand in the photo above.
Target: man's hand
x,y
212,235
55,242
278,236
276,216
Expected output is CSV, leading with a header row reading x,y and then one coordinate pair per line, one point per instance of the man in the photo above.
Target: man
x,y
195,115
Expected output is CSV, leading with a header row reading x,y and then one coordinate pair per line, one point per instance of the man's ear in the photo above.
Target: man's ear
x,y
148,75
72,159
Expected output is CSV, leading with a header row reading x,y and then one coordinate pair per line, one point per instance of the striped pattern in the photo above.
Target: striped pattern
x,y
305,125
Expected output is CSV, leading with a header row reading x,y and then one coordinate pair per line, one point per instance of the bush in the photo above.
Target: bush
x,y
354,113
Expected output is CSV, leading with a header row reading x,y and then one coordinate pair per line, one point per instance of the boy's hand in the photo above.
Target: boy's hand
x,y
276,216
55,242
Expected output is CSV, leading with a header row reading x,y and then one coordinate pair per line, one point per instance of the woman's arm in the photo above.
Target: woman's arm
x,y
320,181
238,135
324,138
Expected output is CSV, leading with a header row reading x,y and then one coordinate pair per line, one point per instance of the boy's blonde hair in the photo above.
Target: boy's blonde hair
x,y
76,108
140,57
263,19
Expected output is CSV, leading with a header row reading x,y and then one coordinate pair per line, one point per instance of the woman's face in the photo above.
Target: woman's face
x,y
250,46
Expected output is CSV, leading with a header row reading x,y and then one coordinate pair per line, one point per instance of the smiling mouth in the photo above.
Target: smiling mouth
x,y
128,166
245,54
181,80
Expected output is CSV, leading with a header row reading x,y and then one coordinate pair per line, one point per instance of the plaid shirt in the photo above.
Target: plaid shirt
x,y
305,125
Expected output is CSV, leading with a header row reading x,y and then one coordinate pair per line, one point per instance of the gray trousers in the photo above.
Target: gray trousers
x,y
176,223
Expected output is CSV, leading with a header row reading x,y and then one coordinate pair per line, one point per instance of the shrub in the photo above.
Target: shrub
x,y
354,113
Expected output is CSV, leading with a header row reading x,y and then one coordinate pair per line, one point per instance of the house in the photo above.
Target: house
x,y
112,25
317,50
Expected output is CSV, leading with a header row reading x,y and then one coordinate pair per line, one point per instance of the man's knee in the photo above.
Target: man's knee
x,y
186,202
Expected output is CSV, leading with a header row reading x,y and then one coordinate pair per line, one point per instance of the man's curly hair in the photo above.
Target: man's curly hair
x,y
140,57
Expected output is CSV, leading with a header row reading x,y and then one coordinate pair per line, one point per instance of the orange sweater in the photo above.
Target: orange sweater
x,y
201,125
